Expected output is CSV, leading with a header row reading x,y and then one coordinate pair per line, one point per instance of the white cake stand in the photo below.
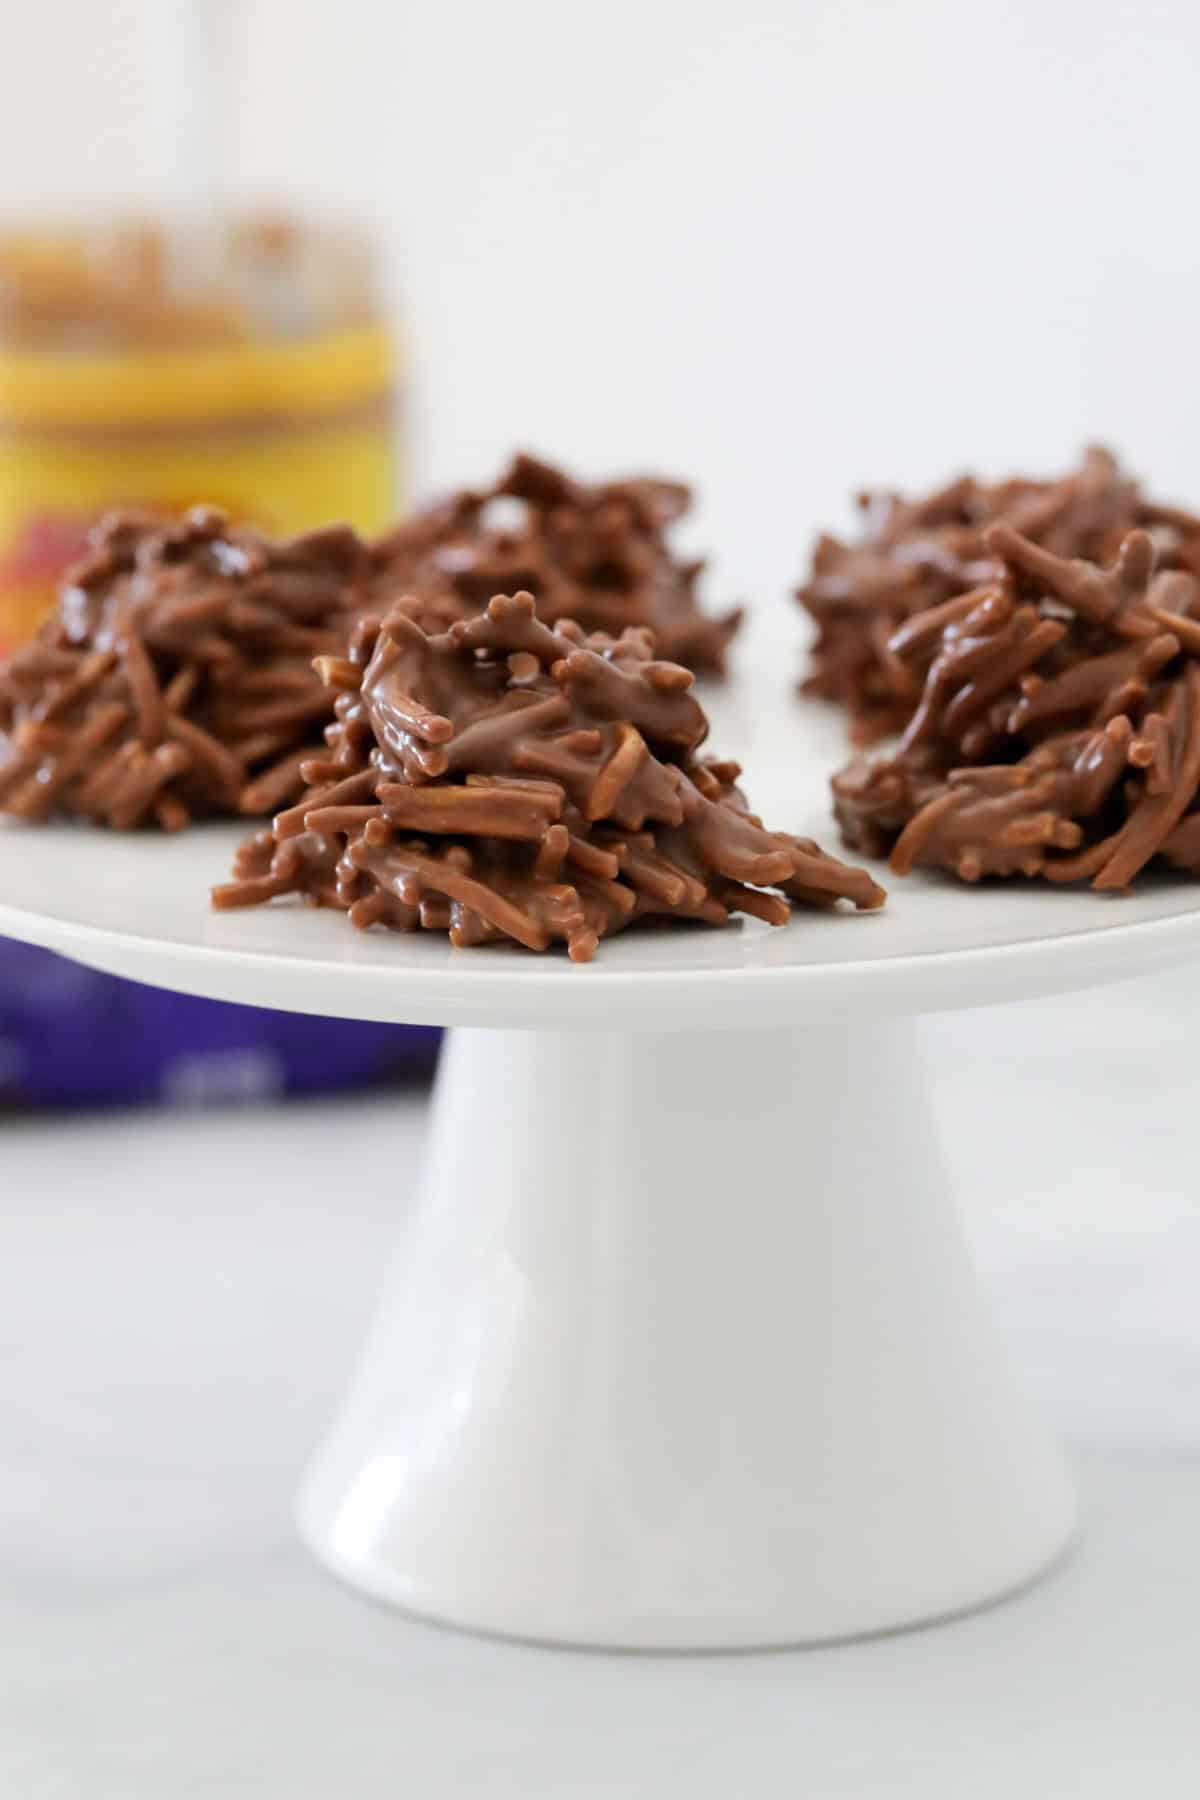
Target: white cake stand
x,y
683,1349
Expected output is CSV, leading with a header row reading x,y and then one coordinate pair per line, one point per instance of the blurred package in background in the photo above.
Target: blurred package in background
x,y
188,350
247,364
70,1036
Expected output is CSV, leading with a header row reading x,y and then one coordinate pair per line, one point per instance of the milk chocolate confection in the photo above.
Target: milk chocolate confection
x,y
506,780
598,555
915,554
176,679
1058,728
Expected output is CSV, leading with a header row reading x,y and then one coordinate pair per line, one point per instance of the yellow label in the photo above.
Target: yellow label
x,y
225,382
287,437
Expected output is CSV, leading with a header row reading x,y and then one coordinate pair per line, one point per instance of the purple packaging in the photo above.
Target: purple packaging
x,y
70,1036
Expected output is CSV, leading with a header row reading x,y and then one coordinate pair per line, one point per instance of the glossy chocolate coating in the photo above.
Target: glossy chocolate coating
x,y
597,554
176,678
503,779
1058,729
914,555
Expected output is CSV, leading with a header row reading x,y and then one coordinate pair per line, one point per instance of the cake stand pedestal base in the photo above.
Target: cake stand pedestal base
x,y
684,1351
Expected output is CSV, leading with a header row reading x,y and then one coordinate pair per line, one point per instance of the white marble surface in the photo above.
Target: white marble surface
x,y
180,1300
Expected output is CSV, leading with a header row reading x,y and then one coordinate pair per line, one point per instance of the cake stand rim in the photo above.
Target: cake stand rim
x,y
600,995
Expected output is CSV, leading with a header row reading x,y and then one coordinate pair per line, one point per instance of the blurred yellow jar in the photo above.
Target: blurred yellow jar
x,y
251,368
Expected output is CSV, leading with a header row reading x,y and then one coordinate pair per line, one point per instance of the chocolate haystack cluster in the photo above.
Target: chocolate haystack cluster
x,y
915,554
598,555
176,679
506,780
1058,728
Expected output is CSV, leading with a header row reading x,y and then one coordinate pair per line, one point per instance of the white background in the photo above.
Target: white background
x,y
784,249
787,248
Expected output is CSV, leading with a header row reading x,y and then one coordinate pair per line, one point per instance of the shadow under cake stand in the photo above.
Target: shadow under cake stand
x,y
682,1348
